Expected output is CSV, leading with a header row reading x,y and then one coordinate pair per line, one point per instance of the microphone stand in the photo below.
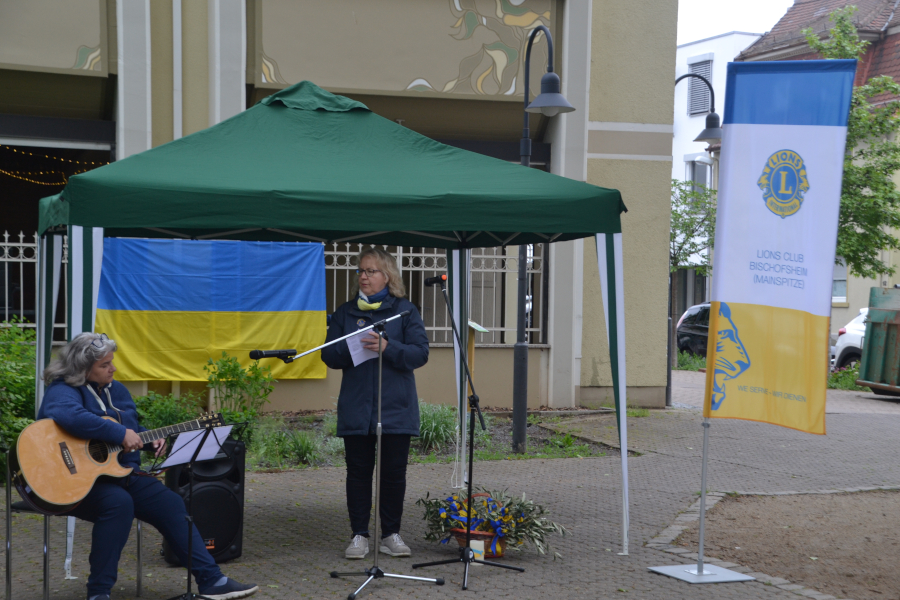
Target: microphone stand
x,y
375,572
466,554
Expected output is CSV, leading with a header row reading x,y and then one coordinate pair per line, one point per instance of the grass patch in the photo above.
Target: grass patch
x,y
845,379
634,412
690,362
311,441
437,426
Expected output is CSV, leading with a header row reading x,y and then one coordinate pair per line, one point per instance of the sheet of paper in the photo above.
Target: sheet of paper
x,y
186,444
357,352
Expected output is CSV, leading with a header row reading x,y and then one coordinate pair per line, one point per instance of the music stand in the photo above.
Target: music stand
x,y
189,448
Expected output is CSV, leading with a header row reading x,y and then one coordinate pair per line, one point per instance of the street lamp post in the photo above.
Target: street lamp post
x,y
712,134
550,103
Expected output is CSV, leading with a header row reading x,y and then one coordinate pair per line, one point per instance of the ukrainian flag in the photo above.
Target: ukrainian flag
x,y
173,304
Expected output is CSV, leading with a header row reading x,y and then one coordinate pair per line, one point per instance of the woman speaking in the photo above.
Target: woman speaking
x,y
380,296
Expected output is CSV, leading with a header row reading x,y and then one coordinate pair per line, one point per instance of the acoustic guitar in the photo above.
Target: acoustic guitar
x,y
53,470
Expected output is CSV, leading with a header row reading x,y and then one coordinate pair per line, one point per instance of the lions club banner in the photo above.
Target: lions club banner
x,y
173,304
779,197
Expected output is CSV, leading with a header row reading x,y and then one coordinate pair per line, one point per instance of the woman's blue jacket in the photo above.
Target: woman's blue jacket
x,y
407,350
76,410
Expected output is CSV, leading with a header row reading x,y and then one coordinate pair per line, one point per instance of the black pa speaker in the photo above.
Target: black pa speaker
x,y
218,501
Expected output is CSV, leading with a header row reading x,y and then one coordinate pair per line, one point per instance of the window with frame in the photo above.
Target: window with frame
x,y
698,94
839,282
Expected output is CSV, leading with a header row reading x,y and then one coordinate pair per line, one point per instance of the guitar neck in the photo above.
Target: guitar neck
x,y
164,432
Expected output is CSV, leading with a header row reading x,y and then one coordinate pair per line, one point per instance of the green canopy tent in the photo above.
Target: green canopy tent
x,y
307,165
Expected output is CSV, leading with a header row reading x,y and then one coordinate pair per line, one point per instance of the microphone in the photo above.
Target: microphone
x,y
282,354
430,281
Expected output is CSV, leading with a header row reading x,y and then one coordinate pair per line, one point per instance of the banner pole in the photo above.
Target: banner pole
x,y
703,497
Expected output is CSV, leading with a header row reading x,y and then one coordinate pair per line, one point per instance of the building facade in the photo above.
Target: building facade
x,y
90,81
691,161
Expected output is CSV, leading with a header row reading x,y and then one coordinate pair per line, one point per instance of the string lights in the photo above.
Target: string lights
x,y
22,175
68,160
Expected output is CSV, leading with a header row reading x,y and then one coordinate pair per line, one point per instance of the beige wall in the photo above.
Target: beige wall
x,y
631,107
435,382
161,70
195,65
645,236
633,61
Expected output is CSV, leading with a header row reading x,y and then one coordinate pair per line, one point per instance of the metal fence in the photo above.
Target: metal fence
x,y
492,299
492,294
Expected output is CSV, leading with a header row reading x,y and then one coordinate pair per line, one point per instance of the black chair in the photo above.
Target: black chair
x,y
24,507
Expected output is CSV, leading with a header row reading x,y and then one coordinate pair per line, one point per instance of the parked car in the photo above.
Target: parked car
x,y
848,349
692,330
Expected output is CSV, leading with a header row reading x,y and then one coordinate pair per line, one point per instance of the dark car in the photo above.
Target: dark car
x,y
693,329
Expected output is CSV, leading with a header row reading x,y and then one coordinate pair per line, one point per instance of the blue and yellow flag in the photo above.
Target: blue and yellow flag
x,y
173,304
779,199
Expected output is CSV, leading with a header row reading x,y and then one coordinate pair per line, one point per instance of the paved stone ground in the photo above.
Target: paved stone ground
x,y
295,527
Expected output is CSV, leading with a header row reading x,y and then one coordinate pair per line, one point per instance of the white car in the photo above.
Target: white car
x,y
848,348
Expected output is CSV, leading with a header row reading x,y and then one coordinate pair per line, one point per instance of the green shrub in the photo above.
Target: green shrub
x,y
301,446
690,362
157,410
329,424
240,393
275,445
17,381
845,379
483,436
438,426
333,446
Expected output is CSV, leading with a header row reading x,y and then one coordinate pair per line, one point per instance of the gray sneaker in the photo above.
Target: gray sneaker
x,y
393,545
358,548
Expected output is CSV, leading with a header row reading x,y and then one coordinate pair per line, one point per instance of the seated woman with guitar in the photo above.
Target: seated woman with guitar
x,y
80,393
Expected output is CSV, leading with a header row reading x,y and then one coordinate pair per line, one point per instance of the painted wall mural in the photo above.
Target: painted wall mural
x,y
459,47
59,37
87,58
495,67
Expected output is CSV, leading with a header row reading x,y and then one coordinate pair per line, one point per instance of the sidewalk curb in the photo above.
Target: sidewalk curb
x,y
664,540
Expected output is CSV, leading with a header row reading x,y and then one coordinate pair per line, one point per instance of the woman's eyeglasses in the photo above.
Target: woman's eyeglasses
x,y
368,272
100,341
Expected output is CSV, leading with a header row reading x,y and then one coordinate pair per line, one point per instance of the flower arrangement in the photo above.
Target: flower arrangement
x,y
517,521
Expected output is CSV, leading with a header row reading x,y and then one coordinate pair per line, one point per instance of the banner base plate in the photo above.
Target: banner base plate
x,y
711,574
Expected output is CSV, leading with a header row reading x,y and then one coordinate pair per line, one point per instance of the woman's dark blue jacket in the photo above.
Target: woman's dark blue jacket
x,y
407,349
76,410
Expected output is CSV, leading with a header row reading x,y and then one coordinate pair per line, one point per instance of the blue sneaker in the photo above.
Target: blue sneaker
x,y
230,590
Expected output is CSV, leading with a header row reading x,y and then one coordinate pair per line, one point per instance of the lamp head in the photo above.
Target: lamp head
x,y
550,102
713,132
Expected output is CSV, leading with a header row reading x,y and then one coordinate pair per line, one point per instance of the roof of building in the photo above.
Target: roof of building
x,y
714,37
872,17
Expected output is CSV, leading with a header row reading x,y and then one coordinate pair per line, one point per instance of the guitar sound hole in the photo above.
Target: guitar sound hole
x,y
98,451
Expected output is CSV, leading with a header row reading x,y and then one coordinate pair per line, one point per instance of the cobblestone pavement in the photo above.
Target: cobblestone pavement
x,y
296,528
688,386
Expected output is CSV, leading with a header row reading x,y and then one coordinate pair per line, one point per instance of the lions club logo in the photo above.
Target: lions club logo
x,y
360,323
783,182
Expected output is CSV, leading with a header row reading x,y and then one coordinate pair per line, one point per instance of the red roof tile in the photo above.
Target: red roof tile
x,y
872,16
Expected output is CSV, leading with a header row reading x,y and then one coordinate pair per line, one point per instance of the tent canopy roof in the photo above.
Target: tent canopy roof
x,y
305,164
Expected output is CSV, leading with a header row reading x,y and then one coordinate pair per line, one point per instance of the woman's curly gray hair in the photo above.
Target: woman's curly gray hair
x,y
77,358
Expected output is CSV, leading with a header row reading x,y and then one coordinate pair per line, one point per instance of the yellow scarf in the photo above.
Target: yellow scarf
x,y
363,301
363,305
